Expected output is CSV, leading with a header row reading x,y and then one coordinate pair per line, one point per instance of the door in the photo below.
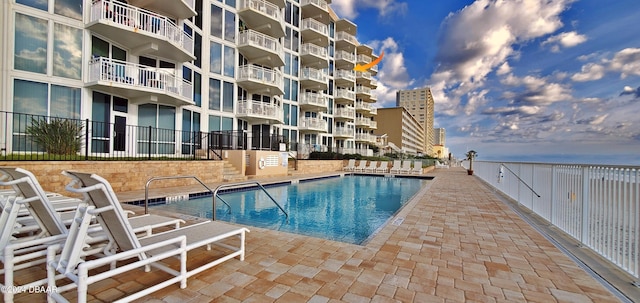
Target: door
x,y
120,133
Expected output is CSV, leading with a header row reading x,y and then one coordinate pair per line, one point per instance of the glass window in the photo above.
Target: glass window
x,y
294,115
229,61
215,59
99,47
287,63
227,123
39,4
65,102
166,125
120,104
296,16
231,3
287,117
197,89
100,115
197,50
287,12
287,89
295,65
30,97
198,16
214,94
227,100
230,26
67,52
31,44
69,8
214,123
216,21
294,90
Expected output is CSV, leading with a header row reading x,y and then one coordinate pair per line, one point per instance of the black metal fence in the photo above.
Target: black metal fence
x,y
36,137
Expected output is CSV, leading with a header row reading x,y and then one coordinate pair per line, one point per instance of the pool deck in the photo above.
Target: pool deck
x,y
456,241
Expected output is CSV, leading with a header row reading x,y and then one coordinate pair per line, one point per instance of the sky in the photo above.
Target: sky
x,y
553,81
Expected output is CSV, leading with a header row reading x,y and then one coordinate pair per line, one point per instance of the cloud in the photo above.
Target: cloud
x,y
628,90
626,62
536,90
589,72
349,8
393,73
566,40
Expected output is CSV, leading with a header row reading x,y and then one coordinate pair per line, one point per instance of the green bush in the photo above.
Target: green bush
x,y
325,156
58,137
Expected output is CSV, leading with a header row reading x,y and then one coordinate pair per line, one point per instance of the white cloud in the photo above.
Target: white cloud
x,y
349,8
626,62
393,74
566,40
503,69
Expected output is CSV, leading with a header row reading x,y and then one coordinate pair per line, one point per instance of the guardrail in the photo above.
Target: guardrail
x,y
597,205
215,194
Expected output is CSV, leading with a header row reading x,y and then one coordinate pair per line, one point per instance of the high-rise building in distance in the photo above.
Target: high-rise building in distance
x,y
419,102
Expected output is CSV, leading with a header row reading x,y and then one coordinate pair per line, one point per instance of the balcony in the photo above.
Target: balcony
x,y
363,92
363,122
313,101
178,9
307,124
260,112
346,41
317,9
345,77
262,16
260,48
363,59
314,56
363,107
373,125
314,31
344,113
345,59
364,75
373,98
344,95
364,137
343,132
312,78
373,83
257,79
139,84
373,111
141,30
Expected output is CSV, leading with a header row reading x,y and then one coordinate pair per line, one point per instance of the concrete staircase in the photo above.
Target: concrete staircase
x,y
231,174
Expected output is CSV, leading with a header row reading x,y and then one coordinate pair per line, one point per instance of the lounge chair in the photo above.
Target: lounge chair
x,y
397,166
100,199
351,165
440,165
406,167
48,227
361,166
373,165
383,168
417,167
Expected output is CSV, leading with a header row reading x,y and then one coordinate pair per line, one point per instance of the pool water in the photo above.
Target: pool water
x,y
348,209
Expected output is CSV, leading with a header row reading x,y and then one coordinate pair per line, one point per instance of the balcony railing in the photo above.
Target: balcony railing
x,y
313,74
344,94
312,49
597,205
363,90
260,75
253,38
141,21
259,109
365,75
314,124
264,7
138,76
315,25
345,112
373,124
363,106
314,99
347,37
346,74
346,56
343,132
363,137
363,121
363,59
319,3
373,111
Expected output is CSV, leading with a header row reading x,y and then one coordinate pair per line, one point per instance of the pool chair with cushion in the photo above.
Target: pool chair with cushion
x,y
99,199
373,165
406,167
417,167
397,166
361,166
383,168
351,165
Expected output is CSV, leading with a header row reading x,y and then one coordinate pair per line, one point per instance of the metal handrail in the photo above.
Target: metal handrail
x,y
519,179
146,192
215,194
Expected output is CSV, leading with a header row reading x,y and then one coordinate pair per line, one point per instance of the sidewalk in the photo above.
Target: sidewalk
x,y
455,242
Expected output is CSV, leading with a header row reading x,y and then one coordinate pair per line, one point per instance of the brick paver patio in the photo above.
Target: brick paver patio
x,y
455,242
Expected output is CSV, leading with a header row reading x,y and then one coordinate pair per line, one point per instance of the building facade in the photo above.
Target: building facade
x,y
399,127
419,102
264,69
439,136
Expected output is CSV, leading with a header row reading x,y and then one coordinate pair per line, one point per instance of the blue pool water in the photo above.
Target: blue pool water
x,y
347,209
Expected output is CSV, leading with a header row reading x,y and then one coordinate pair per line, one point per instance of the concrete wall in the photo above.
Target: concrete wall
x,y
123,175
319,166
237,159
256,157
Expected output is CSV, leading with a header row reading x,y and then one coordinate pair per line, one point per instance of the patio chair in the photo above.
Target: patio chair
x,y
361,166
440,165
373,165
397,166
417,167
99,199
406,167
383,168
351,165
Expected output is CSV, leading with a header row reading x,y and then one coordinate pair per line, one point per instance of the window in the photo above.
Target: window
x,y
190,125
31,44
227,100
229,60
215,60
67,51
162,140
230,26
214,94
216,21
43,5
68,8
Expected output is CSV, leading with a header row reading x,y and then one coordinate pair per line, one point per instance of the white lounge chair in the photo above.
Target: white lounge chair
x,y
373,165
397,166
100,199
361,166
406,167
351,165
440,165
417,167
383,168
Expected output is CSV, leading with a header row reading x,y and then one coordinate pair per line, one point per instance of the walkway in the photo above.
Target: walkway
x,y
457,242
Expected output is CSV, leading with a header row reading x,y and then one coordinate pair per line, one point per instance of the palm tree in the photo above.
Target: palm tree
x,y
472,154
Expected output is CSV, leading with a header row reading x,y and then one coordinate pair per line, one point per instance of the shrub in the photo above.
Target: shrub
x,y
58,137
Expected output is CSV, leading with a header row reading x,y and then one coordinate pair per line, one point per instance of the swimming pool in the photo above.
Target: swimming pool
x,y
348,209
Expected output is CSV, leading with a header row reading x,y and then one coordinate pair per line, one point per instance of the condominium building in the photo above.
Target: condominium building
x,y
257,68
439,136
419,102
401,129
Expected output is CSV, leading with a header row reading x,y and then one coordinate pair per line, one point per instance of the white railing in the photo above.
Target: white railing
x,y
264,7
347,37
362,105
363,59
312,49
140,20
260,74
365,75
315,25
344,55
345,112
363,121
313,74
316,99
343,132
138,76
344,93
313,124
259,109
373,111
363,90
253,38
373,124
320,3
595,204
346,74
